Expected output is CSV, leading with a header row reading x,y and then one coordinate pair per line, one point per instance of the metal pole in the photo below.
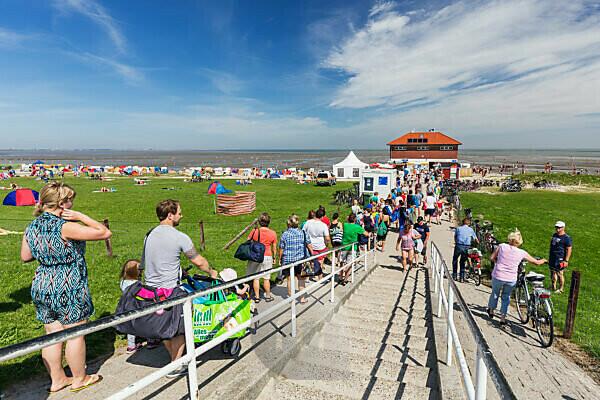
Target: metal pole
x,y
352,264
434,270
366,253
450,321
293,291
480,376
440,273
332,298
189,344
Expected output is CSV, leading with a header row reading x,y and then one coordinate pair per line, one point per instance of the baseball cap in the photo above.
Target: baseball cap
x,y
228,274
368,206
419,219
559,224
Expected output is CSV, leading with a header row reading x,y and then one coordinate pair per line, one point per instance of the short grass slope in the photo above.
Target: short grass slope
x,y
131,212
534,213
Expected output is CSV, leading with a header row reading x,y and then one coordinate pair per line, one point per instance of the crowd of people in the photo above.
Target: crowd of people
x,y
60,291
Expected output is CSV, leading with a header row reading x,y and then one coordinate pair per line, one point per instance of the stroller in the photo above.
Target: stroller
x,y
219,312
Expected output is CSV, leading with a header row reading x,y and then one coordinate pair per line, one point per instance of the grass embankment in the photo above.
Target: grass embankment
x,y
563,179
534,213
131,211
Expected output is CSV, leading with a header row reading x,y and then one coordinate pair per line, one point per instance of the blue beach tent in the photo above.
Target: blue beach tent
x,y
217,188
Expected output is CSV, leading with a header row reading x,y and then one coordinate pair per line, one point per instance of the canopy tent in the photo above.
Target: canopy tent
x,y
21,197
217,188
350,167
38,162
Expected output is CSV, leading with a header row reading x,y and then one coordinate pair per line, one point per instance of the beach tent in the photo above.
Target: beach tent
x,y
21,197
350,167
217,188
38,162
274,176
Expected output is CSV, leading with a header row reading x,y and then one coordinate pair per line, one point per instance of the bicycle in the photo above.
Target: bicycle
x,y
473,271
535,304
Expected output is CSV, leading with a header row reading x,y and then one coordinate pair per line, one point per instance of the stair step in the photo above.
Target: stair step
x,y
398,318
361,298
357,363
350,384
283,389
401,340
380,326
373,350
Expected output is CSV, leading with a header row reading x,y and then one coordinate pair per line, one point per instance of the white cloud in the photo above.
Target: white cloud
x,y
9,38
131,75
98,14
223,81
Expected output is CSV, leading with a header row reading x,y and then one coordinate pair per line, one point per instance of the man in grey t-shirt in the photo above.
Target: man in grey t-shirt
x,y
163,248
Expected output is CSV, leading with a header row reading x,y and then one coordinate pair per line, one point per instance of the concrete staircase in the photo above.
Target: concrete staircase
x,y
378,346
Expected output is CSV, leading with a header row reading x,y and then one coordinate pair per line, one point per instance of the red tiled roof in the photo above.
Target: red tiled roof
x,y
432,138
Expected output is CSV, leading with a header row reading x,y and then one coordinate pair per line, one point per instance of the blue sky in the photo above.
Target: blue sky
x,y
311,74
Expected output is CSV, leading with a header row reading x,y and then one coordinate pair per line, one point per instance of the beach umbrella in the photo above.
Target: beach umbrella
x,y
21,197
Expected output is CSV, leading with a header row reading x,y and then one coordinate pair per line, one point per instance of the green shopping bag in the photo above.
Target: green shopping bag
x,y
214,318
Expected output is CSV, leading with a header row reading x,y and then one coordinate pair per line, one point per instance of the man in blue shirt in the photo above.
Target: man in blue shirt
x,y
561,247
464,236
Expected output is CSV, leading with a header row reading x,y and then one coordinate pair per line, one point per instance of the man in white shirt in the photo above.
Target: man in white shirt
x,y
430,201
318,232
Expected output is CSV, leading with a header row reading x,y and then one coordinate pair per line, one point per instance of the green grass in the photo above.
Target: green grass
x,y
131,211
534,213
561,178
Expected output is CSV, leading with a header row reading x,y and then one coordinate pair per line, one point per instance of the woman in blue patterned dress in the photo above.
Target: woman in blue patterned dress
x,y
60,292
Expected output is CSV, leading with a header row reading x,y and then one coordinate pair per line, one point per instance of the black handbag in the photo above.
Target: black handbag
x,y
251,250
162,324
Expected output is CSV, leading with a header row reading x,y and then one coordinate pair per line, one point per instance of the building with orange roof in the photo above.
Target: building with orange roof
x,y
425,148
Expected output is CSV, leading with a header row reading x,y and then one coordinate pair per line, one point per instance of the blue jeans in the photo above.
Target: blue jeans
x,y
506,288
460,252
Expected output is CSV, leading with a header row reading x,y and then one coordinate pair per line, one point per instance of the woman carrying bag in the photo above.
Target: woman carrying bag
x,y
268,238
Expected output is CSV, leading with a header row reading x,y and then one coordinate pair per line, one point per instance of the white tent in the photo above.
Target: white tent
x,y
350,167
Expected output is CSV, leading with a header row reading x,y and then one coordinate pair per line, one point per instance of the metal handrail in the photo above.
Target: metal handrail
x,y
32,345
485,362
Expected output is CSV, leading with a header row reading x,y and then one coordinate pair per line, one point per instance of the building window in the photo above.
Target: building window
x,y
422,148
368,184
355,172
446,147
398,148
340,173
419,140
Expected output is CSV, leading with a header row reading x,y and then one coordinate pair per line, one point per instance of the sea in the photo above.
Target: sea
x,y
534,159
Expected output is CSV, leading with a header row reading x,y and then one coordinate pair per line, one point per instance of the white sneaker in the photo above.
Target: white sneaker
x,y
181,371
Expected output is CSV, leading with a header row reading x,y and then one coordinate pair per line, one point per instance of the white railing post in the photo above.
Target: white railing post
x,y
450,321
440,273
352,264
480,377
189,344
434,269
293,292
332,297
366,253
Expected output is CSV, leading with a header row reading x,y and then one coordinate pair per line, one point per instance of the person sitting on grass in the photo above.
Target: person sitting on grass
x,y
507,258
268,238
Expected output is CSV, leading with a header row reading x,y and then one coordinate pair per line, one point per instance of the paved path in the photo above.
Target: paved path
x,y
533,372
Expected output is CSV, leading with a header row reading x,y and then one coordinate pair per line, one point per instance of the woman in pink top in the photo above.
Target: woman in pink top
x,y
406,242
507,257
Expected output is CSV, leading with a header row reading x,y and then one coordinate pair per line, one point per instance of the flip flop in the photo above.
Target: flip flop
x,y
269,299
89,382
256,300
58,390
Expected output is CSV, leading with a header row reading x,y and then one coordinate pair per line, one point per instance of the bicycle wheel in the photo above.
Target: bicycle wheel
x,y
477,277
521,303
544,322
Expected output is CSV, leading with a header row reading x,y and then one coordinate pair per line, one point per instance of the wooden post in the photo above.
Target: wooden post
x,y
572,307
202,241
239,235
109,251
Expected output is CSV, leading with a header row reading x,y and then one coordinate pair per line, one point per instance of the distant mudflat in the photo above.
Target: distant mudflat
x,y
320,159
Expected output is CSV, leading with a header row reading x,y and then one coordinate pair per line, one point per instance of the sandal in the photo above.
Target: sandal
x,y
90,381
256,300
269,298
303,300
66,385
